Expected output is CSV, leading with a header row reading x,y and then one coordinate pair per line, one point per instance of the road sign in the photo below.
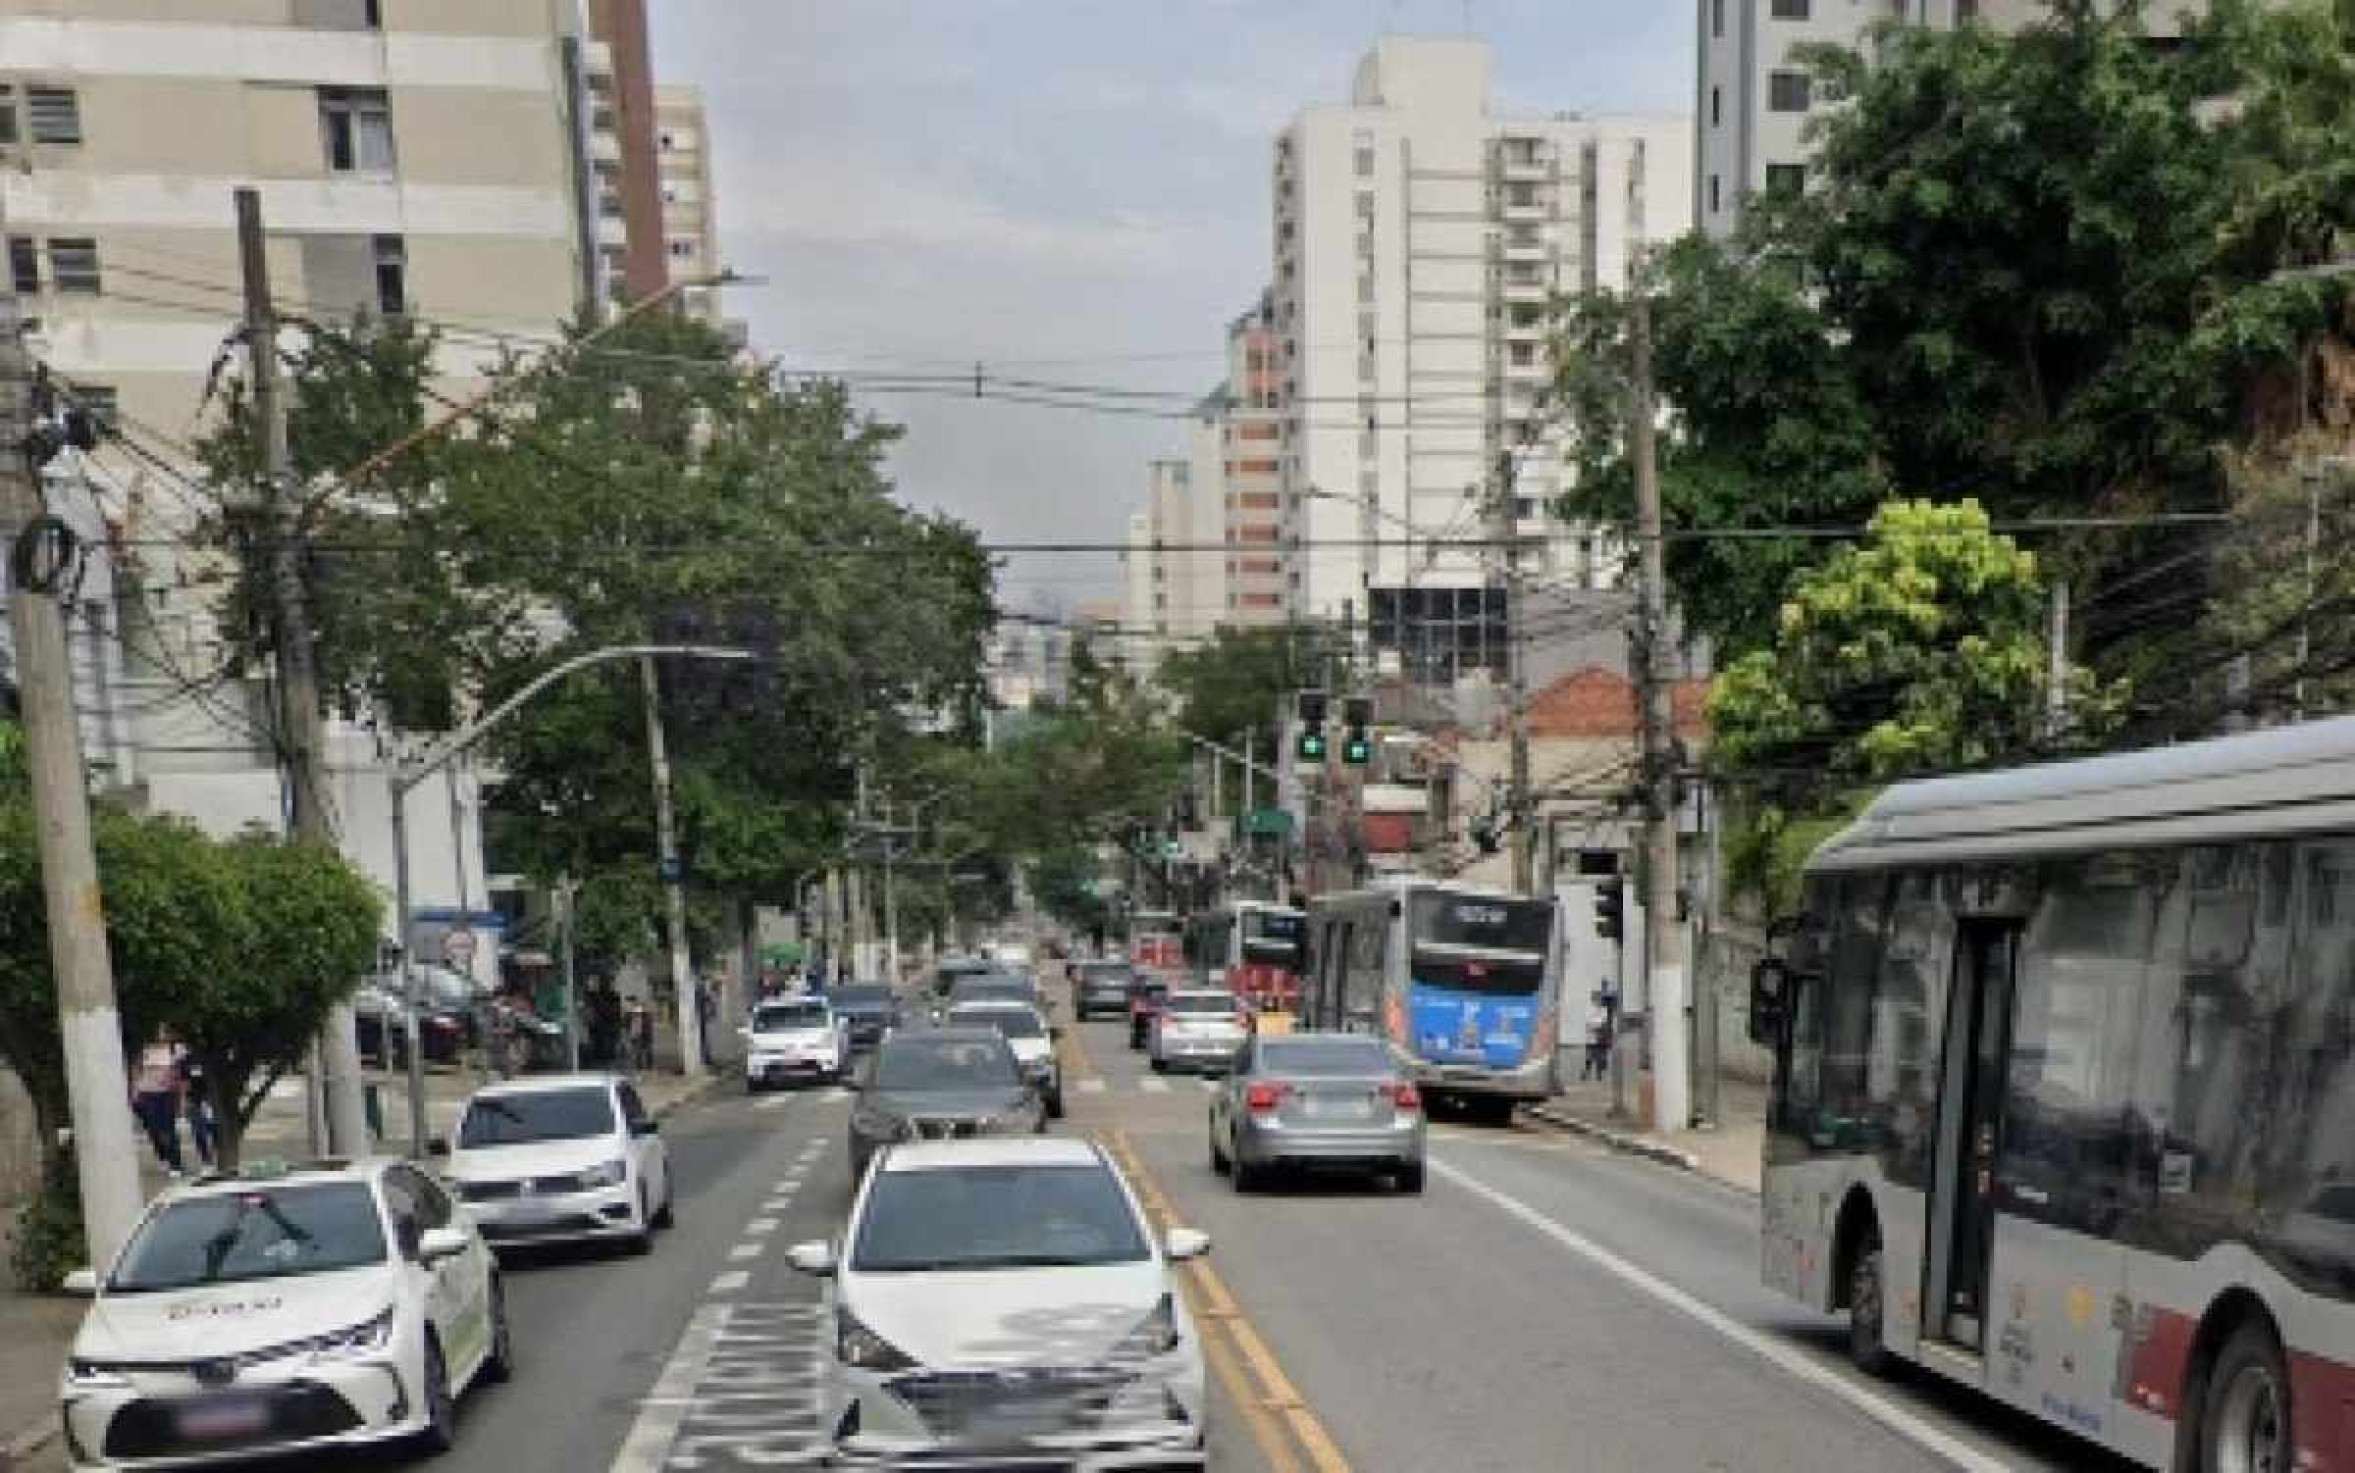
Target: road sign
x,y
1269,823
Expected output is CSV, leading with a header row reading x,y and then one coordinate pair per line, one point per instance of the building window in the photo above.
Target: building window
x,y
1715,204
24,265
682,248
1365,288
53,114
1786,181
392,275
73,264
1716,107
1717,18
1365,205
1789,10
357,124
1787,92
1365,163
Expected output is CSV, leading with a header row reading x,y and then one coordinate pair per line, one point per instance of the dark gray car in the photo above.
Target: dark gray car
x,y
1101,988
938,1084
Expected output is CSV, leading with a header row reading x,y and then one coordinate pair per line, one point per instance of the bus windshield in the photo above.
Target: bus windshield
x,y
1273,935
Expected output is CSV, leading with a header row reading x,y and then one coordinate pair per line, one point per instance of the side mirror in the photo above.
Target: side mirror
x,y
1183,1243
813,1257
439,1243
646,1126
438,1145
1770,990
82,1282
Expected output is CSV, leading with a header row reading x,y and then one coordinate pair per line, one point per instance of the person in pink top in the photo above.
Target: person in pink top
x,y
156,1081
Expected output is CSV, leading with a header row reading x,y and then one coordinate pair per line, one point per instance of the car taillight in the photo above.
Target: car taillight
x,y
1403,1096
1261,1095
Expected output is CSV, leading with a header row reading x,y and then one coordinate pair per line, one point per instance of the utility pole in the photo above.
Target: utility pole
x,y
566,890
1664,950
105,1161
1520,810
2056,676
674,879
301,734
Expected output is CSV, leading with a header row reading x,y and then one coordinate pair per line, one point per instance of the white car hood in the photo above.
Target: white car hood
x,y
539,1158
1031,1050
1007,1317
775,1040
229,1319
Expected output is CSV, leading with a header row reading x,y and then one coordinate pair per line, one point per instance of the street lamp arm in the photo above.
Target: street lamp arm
x,y
410,774
1253,763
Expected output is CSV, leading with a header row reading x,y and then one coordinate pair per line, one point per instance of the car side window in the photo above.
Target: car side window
x,y
400,1202
429,1201
633,1109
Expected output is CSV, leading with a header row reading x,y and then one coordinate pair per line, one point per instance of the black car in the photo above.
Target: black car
x,y
868,1009
939,1083
956,968
1101,987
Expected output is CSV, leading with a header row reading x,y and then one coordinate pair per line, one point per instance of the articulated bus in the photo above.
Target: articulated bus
x,y
2064,1094
1463,981
1252,949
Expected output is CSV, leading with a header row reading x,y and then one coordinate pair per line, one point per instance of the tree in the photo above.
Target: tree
x,y
1921,649
1233,683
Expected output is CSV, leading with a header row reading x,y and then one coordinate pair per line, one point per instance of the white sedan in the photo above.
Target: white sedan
x,y
1004,1295
794,1038
560,1157
292,1311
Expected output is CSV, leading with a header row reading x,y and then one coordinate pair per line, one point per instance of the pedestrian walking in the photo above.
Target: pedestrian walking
x,y
155,1097
1599,1010
196,1088
641,1030
706,1008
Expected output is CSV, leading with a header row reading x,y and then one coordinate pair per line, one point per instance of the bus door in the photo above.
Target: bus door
x,y
1970,1125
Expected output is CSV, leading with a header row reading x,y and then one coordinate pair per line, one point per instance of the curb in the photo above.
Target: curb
x,y
29,1441
1620,1140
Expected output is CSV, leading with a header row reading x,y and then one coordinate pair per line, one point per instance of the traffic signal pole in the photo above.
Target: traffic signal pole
x,y
1664,958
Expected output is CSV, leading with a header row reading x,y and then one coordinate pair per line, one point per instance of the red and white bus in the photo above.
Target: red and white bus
x,y
2064,1094
1252,949
1154,942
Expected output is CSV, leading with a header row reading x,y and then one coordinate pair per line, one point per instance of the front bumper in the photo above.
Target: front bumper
x,y
777,1068
165,1419
1533,1080
1148,1419
556,1217
1398,1139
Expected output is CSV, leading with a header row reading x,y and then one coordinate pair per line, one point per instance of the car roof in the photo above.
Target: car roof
x,y
907,1037
543,1083
259,1174
1219,992
992,1150
995,1005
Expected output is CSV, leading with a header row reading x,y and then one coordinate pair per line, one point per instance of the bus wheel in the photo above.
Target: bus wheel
x,y
1865,1346
2245,1427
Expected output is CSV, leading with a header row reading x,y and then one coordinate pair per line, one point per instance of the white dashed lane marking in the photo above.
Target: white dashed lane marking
x,y
772,1102
761,1226
743,1251
731,1281
1154,1086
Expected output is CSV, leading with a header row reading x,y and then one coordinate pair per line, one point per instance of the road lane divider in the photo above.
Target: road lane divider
x,y
1796,1363
1279,1417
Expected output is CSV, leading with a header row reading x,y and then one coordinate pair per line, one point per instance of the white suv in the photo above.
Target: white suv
x,y
279,1310
794,1038
560,1156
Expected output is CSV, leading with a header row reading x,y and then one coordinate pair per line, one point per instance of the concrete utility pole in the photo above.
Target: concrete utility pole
x,y
1664,950
1520,809
674,880
301,734
105,1160
2056,675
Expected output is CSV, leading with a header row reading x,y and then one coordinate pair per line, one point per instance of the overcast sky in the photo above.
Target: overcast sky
x,y
1070,189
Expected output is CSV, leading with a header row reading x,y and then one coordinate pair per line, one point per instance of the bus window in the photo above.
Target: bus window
x,y
2310,1198
1802,1065
1909,1023
1849,1006
1362,990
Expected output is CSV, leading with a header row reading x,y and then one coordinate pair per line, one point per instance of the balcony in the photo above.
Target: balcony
x,y
604,147
597,59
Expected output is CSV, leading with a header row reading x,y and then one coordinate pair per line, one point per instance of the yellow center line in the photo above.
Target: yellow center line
x,y
1214,1305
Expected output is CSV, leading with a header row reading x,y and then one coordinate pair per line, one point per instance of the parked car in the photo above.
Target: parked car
x,y
1317,1099
560,1157
448,1018
1145,996
1198,1030
303,1312
794,1038
1026,1032
1100,987
941,1083
1005,1298
870,1010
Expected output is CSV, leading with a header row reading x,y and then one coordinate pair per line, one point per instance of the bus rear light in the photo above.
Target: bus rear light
x,y
1403,1096
1261,1096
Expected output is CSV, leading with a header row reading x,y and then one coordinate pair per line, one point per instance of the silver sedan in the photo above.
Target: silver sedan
x,y
1317,1099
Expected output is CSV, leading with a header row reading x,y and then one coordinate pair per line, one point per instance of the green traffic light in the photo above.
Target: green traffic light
x,y
1357,751
1312,746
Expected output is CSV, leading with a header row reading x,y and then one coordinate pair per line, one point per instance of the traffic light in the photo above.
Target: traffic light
x,y
1610,913
1357,748
1309,706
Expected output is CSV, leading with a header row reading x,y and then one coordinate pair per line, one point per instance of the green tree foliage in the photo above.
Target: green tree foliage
x,y
1921,649
1231,683
2031,268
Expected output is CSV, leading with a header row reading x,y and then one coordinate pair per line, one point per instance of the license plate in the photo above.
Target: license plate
x,y
227,1417
1317,1108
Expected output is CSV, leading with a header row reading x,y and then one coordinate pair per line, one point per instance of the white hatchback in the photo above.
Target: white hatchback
x,y
560,1156
298,1311
794,1038
1003,1296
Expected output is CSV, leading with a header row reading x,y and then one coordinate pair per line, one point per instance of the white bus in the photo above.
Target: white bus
x,y
2064,1096
1462,980
1252,949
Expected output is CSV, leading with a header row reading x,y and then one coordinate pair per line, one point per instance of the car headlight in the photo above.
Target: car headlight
x,y
856,1345
364,1338
1155,1334
93,1375
606,1174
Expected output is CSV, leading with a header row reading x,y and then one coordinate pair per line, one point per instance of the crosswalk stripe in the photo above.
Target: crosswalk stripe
x,y
1154,1086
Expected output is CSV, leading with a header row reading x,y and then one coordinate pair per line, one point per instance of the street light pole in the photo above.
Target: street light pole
x,y
686,992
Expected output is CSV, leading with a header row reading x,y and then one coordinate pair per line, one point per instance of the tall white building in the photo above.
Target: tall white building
x,y
1173,592
1420,238
1753,101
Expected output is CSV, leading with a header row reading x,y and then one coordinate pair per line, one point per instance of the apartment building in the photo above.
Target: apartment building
x,y
690,217
1754,102
1419,240
1172,583
1239,476
414,157
622,155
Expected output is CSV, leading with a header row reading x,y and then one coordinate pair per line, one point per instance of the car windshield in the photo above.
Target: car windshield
x,y
863,997
536,1115
778,1016
1324,1056
983,1217
1011,1022
940,1062
980,991
266,1233
1199,1002
1106,971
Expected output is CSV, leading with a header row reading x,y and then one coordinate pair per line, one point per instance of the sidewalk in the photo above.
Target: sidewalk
x,y
1727,1151
36,1329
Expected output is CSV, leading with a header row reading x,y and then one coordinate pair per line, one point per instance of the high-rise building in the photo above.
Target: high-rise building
x,y
690,218
1420,238
1754,100
1172,588
1239,479
623,155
